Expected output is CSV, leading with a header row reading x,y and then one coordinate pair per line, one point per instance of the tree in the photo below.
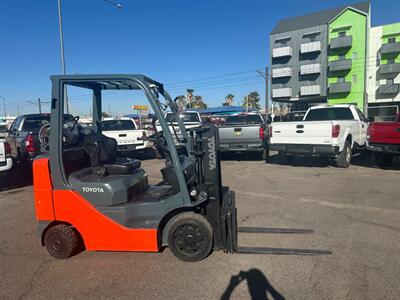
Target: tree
x,y
228,100
252,100
198,103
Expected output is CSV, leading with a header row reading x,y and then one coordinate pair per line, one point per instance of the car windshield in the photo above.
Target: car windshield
x,y
34,123
185,117
243,119
329,114
116,125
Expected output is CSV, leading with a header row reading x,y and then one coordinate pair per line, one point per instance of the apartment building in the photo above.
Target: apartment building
x,y
335,57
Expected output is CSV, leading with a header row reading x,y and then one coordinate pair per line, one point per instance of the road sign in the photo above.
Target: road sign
x,y
140,107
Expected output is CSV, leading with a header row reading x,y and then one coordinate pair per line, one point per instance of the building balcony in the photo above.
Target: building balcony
x,y
389,68
389,89
341,42
282,52
340,65
391,48
282,93
310,90
310,47
310,69
281,72
340,87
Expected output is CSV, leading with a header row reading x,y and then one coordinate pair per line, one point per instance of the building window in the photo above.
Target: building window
x,y
390,61
392,40
354,55
378,62
390,81
342,57
340,79
342,33
313,38
354,78
283,43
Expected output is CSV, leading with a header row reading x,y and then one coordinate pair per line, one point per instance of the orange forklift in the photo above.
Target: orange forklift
x,y
88,198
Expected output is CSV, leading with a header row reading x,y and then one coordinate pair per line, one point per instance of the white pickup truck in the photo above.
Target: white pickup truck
x,y
5,157
325,130
191,119
126,133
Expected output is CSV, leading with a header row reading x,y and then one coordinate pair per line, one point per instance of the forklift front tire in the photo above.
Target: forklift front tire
x,y
190,237
61,241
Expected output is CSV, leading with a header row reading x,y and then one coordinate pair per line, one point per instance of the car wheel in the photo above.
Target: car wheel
x,y
382,159
343,160
190,237
61,241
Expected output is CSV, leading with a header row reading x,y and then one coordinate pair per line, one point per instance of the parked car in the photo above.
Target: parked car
x,y
5,157
246,132
23,136
3,130
127,135
335,131
191,119
384,141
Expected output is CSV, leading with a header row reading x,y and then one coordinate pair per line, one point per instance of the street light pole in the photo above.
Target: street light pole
x,y
62,52
4,106
266,76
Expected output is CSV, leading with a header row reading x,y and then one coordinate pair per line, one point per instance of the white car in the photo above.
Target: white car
x,y
5,157
126,133
334,131
191,119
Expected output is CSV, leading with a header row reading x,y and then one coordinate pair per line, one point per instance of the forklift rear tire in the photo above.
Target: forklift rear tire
x,y
190,237
61,241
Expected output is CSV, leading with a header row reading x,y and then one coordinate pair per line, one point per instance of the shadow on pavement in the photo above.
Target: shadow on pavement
x,y
258,284
18,176
243,156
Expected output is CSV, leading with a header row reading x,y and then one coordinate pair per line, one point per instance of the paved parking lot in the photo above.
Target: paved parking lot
x,y
355,213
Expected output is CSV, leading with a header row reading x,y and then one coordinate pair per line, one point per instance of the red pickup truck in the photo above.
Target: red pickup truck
x,y
384,141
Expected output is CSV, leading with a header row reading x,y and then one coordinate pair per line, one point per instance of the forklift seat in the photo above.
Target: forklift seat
x,y
102,152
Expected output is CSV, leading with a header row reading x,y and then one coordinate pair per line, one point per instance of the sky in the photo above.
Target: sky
x,y
211,46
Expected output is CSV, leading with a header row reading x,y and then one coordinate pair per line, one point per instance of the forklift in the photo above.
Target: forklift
x,y
88,198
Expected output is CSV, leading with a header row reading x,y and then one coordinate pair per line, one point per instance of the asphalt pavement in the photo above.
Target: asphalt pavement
x,y
355,213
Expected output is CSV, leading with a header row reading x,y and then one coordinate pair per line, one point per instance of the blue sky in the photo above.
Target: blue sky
x,y
184,44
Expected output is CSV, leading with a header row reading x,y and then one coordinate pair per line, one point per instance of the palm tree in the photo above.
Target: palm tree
x,y
229,100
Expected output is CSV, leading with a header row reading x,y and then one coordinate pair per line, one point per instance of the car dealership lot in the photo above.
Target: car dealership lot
x,y
355,213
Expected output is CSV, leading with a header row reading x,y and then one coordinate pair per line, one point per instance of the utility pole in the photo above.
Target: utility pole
x,y
247,103
4,107
40,106
109,110
18,109
266,76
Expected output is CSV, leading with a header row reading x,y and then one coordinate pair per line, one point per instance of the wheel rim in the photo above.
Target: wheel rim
x,y
189,239
348,154
56,244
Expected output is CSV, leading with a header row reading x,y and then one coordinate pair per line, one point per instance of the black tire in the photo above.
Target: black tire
x,y
382,159
61,241
343,160
190,237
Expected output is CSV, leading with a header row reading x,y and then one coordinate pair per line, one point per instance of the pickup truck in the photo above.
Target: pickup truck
x,y
335,131
191,119
127,135
244,132
3,130
384,141
5,157
23,136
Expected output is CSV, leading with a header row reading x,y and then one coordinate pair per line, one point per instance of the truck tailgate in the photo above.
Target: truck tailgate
x,y
126,137
310,132
2,152
239,134
384,133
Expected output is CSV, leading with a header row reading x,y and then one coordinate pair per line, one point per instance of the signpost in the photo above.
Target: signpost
x,y
142,110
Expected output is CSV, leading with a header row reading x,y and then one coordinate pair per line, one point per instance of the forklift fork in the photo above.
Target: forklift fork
x,y
232,234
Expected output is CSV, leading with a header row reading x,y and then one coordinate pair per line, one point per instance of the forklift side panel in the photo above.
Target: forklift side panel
x,y
98,231
42,188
